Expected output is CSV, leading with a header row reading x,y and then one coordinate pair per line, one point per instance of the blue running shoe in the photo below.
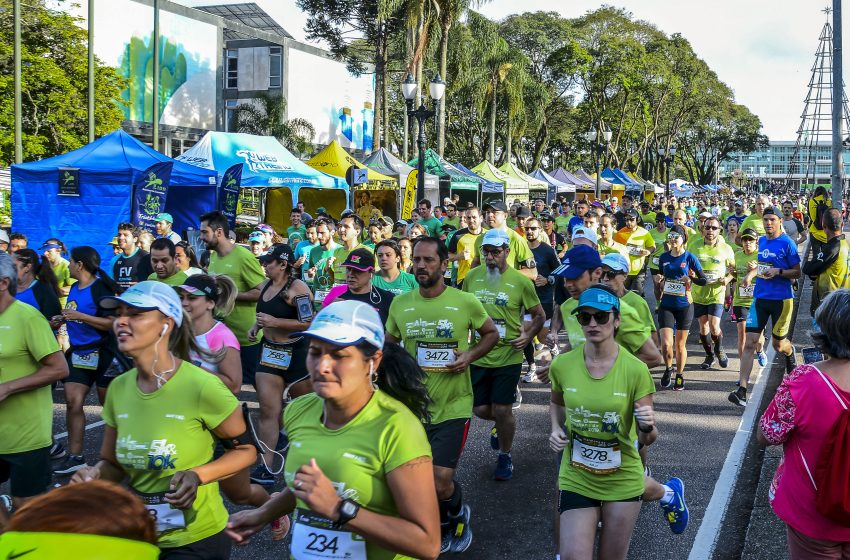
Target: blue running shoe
x,y
676,511
504,467
762,358
494,439
461,533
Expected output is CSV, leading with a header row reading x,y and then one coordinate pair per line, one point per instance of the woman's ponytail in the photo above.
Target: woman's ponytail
x,y
401,378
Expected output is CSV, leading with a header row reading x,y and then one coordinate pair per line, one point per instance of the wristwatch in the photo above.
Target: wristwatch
x,y
641,428
348,510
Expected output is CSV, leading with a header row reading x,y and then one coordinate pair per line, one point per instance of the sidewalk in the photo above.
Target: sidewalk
x,y
766,532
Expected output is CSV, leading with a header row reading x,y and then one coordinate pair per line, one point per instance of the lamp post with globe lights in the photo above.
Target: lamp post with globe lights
x,y
436,89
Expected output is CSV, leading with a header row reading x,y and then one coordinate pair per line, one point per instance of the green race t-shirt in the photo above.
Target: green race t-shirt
x,y
600,418
639,304
431,330
660,238
743,296
505,302
166,431
716,263
520,252
244,269
300,231
433,225
753,221
49,546
403,283
26,418
633,332
177,279
62,271
356,457
340,254
322,282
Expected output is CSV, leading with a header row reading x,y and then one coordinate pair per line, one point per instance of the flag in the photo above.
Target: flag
x,y
228,194
149,193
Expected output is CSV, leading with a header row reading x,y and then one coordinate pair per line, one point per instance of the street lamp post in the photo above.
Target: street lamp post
x,y
436,89
598,145
667,156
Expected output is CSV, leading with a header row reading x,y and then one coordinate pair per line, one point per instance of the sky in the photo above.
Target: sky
x,y
762,49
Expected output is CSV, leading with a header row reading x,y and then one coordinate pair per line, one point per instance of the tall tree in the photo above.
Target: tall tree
x,y
53,84
265,116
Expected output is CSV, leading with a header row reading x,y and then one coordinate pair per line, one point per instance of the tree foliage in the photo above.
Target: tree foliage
x,y
265,116
54,84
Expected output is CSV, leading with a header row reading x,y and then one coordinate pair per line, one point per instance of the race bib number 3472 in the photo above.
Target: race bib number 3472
x,y
434,357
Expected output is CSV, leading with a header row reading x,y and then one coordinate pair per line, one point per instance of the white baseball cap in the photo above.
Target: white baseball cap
x,y
148,296
582,232
345,323
496,238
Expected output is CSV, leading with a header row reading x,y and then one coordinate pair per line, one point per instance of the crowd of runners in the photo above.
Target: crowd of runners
x,y
370,348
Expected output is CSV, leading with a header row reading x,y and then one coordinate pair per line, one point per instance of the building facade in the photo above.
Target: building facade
x,y
781,162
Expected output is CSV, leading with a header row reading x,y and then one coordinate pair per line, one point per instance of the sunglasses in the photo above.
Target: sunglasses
x,y
711,227
532,228
494,252
601,318
631,219
611,274
673,237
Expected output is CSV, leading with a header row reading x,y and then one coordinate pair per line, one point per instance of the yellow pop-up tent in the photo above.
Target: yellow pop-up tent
x,y
334,160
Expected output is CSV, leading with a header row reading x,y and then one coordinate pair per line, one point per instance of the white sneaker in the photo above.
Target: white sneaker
x,y
531,375
518,401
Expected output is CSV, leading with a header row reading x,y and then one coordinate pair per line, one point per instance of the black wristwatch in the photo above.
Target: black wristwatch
x,y
348,510
641,428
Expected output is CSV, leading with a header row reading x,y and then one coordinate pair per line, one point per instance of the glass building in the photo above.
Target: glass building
x,y
777,163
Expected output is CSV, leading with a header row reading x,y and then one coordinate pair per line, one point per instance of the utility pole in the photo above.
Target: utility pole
x,y
19,145
155,111
91,71
837,107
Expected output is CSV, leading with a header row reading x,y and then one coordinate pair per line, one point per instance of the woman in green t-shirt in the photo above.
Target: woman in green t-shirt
x,y
348,442
601,412
162,419
389,277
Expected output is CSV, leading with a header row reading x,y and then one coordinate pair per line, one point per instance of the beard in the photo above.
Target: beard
x,y
494,275
431,280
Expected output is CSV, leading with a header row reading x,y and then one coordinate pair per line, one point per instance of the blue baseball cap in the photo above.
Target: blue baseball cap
x,y
256,237
598,298
616,261
496,238
164,217
148,296
348,322
576,261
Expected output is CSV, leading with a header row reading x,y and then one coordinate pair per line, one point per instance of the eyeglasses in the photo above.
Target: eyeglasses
x,y
601,318
495,252
611,274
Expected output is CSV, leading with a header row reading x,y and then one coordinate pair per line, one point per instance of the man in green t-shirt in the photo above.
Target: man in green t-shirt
x,y
318,268
755,220
718,263
296,228
242,267
434,323
164,265
30,362
427,218
349,229
520,256
452,217
507,296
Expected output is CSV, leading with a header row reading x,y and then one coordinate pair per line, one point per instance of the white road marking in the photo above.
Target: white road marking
x,y
91,426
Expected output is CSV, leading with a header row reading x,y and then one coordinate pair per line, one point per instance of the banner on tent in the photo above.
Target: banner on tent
x,y
149,193
228,196
409,195
69,181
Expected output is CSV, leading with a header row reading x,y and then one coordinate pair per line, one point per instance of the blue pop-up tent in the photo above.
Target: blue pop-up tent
x,y
108,167
269,165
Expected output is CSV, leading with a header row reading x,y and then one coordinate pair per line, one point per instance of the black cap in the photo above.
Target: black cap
x,y
770,210
497,205
200,284
523,212
660,217
546,217
280,252
749,233
360,259
447,227
632,213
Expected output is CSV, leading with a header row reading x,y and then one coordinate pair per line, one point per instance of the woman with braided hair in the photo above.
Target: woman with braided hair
x,y
285,307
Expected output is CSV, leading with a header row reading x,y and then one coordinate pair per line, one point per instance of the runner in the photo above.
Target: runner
x,y
435,323
793,227
507,296
773,299
554,239
31,361
164,262
829,267
639,245
601,476
755,220
52,250
296,227
369,398
745,260
520,256
622,212
427,218
739,214
242,267
405,245
302,254
374,235
452,218
17,241
679,270
319,268
133,264
462,244
818,204
615,268
91,350
257,243
659,234
718,264
547,261
359,267
164,222
36,283
582,207
187,261
268,236
607,244
389,277
283,309
162,420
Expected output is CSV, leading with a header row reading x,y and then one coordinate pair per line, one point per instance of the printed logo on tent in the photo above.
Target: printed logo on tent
x,y
263,161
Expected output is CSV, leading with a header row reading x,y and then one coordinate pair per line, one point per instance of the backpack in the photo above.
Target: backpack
x,y
832,484
821,208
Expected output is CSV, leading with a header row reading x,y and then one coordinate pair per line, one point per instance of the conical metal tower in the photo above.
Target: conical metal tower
x,y
811,160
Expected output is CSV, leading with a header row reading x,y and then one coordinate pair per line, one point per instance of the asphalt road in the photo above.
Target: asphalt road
x,y
515,519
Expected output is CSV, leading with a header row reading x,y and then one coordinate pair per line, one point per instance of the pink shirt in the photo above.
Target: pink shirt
x,y
213,340
335,292
800,417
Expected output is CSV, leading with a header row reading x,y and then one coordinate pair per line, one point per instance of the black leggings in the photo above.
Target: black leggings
x,y
216,547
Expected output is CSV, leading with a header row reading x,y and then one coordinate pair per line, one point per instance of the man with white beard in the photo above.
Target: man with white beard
x,y
507,295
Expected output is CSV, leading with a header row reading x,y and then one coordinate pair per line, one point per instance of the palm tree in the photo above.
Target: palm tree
x,y
266,116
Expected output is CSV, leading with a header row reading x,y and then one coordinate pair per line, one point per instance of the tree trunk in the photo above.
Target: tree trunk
x,y
387,141
441,115
509,142
491,145
380,75
540,147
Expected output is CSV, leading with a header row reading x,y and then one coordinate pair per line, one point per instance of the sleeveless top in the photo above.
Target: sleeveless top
x,y
277,307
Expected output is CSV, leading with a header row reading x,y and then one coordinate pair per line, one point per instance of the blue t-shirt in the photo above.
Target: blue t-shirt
x,y
739,219
575,222
86,301
28,296
303,250
777,253
676,269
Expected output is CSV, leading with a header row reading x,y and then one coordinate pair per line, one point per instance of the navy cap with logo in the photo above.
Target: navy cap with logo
x,y
280,252
632,213
576,261
200,285
769,211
